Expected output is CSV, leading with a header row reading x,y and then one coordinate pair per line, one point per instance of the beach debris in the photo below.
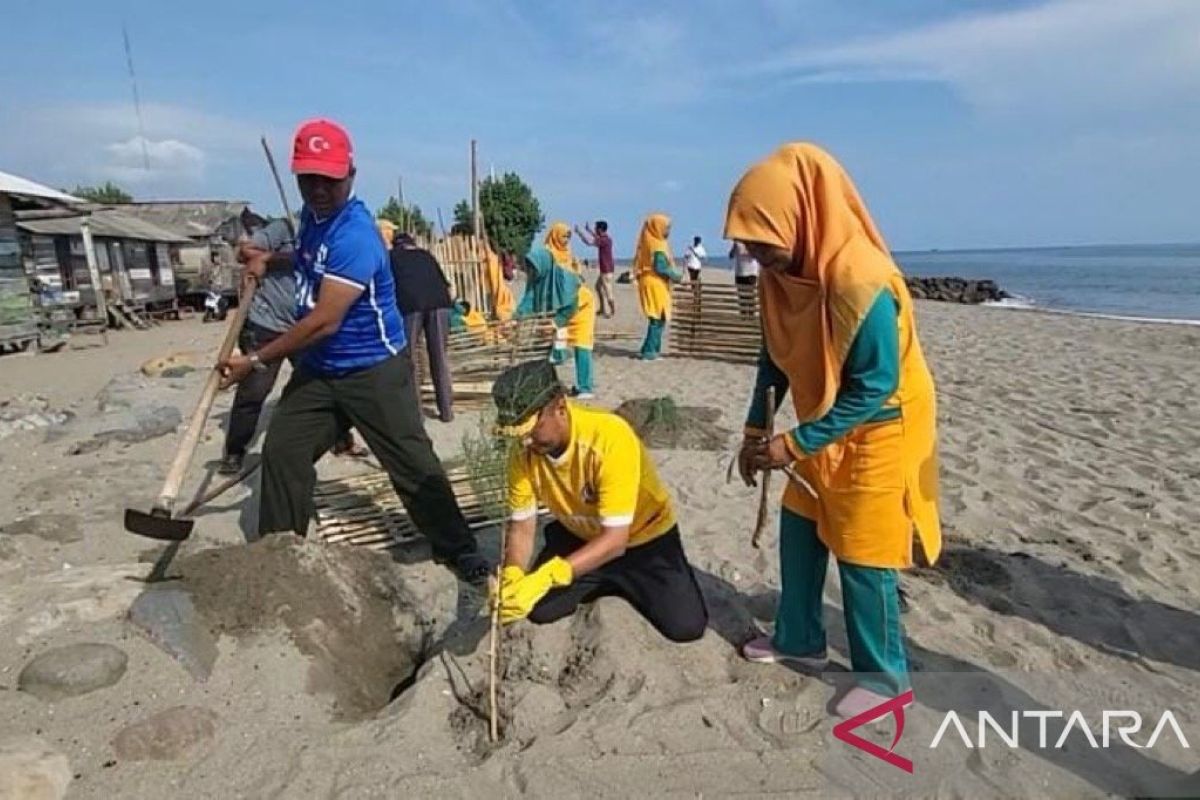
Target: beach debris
x,y
169,618
169,735
29,412
30,769
175,365
662,424
72,670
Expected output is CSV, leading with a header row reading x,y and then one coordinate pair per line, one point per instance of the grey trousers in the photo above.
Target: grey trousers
x,y
435,325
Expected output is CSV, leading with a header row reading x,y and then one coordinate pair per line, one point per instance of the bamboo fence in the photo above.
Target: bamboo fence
x,y
364,510
460,259
477,357
716,322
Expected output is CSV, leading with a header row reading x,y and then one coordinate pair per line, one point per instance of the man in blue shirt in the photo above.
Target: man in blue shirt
x,y
353,364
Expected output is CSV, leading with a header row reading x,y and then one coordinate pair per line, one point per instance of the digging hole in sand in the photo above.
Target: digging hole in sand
x,y
363,635
662,424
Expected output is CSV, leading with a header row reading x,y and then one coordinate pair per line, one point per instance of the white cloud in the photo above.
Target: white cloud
x,y
1059,57
138,160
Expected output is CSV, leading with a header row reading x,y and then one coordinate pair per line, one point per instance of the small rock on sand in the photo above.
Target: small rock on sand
x,y
31,770
72,670
166,736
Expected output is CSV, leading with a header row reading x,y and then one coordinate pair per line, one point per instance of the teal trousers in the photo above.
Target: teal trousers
x,y
870,600
652,346
585,377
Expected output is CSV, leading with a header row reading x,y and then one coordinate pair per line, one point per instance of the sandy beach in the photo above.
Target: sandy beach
x,y
1070,455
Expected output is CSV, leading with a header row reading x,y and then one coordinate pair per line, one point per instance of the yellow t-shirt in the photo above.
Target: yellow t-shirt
x,y
604,479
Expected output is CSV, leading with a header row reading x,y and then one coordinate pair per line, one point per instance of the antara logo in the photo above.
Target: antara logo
x,y
1123,723
895,706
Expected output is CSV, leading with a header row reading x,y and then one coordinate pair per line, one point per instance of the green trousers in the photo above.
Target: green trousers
x,y
870,600
585,379
652,346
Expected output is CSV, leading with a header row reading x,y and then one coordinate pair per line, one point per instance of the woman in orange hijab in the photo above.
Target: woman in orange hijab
x,y
654,270
840,335
558,242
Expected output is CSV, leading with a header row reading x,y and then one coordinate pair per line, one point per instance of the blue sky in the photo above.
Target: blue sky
x,y
965,122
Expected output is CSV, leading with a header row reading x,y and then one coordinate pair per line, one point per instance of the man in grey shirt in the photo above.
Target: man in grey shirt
x,y
272,312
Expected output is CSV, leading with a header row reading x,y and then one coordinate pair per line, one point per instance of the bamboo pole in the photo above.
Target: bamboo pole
x,y
494,648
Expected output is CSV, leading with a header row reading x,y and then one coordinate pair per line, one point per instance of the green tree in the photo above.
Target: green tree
x,y
108,192
463,224
511,213
406,218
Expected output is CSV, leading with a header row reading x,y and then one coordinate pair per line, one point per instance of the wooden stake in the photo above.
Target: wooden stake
x,y
760,523
494,649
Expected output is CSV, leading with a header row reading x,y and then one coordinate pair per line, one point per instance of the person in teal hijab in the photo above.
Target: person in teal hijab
x,y
550,289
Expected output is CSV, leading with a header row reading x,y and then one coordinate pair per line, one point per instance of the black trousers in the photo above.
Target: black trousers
x,y
434,325
378,402
251,392
655,578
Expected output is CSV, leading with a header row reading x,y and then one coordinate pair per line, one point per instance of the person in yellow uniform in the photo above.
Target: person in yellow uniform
x,y
840,335
614,530
654,270
558,242
552,289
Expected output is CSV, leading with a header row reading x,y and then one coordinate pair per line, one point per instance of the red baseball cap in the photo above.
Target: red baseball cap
x,y
322,147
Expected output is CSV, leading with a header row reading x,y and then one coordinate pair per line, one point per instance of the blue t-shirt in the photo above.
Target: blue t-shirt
x,y
347,248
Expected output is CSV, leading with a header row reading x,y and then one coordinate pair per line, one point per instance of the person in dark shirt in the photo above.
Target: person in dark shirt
x,y
600,240
423,297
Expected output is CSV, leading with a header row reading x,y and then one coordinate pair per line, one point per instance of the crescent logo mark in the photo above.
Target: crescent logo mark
x,y
318,144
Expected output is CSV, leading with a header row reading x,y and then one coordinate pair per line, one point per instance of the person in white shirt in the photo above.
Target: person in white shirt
x,y
745,275
694,259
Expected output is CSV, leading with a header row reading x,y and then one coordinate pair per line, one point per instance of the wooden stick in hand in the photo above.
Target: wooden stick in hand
x,y
760,522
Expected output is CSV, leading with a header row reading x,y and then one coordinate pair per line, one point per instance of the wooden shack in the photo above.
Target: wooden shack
x,y
133,258
20,316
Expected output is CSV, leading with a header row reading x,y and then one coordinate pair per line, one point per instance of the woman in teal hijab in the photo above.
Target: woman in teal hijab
x,y
550,289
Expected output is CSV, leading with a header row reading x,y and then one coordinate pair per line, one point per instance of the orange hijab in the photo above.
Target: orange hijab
x,y
651,240
558,242
502,296
800,199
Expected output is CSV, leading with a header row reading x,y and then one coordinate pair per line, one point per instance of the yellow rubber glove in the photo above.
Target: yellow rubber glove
x,y
508,576
519,598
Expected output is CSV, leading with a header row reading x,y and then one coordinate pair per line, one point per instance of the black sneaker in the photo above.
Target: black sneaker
x,y
231,464
472,568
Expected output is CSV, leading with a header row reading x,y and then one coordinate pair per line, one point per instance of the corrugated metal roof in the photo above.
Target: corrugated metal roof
x,y
104,222
15,184
186,217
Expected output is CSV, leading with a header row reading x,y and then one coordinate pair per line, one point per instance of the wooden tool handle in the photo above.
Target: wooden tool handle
x,y
191,437
760,522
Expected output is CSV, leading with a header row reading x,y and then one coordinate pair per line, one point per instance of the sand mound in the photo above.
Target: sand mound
x,y
343,609
662,424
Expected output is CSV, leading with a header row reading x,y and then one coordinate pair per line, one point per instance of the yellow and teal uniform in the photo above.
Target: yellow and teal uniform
x,y
605,478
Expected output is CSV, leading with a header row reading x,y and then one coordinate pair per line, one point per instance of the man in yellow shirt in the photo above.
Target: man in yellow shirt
x,y
614,530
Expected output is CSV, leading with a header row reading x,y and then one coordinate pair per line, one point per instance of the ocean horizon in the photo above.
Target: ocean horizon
x,y
1128,281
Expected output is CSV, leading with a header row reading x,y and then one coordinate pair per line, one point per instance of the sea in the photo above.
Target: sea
x,y
1156,282
1143,282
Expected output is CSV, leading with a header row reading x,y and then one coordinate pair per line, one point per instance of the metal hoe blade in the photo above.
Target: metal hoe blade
x,y
158,524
